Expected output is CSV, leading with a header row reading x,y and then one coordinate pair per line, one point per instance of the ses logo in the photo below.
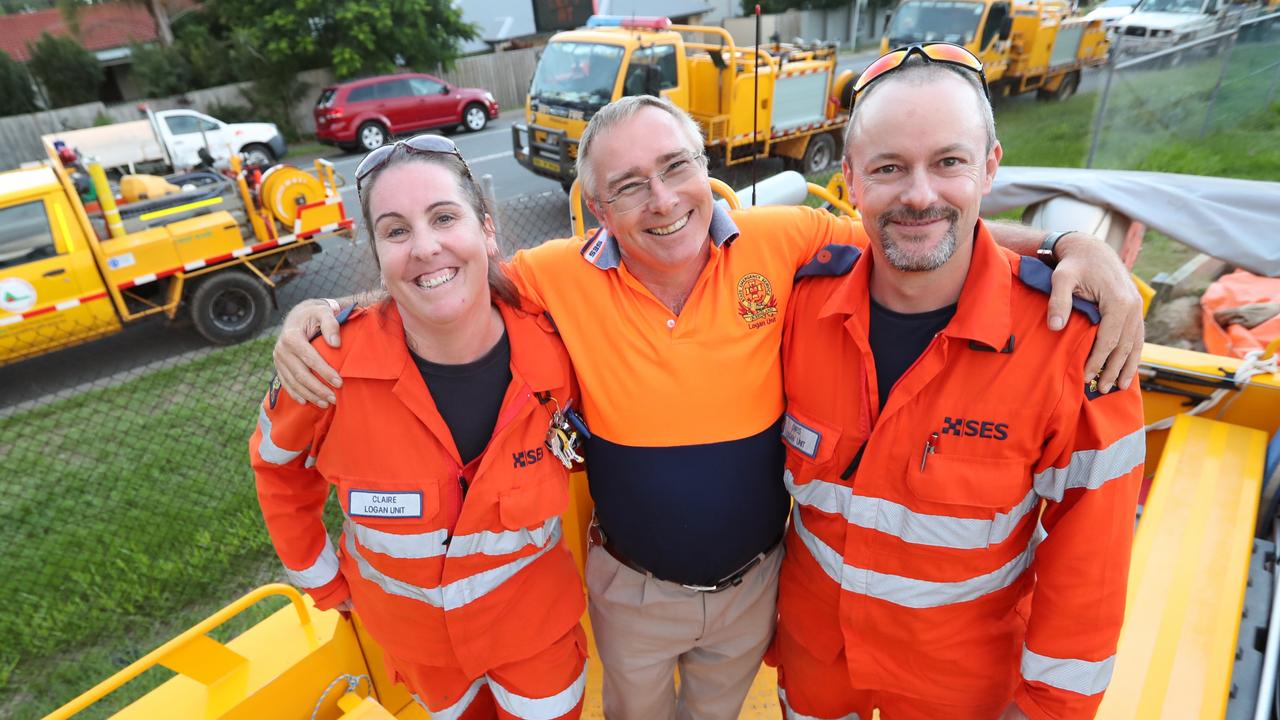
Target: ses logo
x,y
16,295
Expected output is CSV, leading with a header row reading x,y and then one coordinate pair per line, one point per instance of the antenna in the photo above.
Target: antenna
x,y
755,113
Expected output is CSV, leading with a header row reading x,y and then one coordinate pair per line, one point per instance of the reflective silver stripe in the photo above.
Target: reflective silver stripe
x,y
505,542
455,594
1086,677
267,447
310,463
901,522
413,546
790,714
1091,469
908,592
321,572
455,711
545,708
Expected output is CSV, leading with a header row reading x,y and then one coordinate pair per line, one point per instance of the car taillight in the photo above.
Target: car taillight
x,y
334,114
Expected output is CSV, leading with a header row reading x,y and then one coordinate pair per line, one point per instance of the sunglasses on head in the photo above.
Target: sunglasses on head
x,y
424,144
936,52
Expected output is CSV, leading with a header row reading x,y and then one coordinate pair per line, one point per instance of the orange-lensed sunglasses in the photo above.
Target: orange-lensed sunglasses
x,y
938,52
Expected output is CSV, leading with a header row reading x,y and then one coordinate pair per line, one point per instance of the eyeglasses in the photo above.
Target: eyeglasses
x,y
938,52
424,144
637,192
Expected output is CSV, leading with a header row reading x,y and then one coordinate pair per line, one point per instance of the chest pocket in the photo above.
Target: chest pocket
x,y
380,503
541,495
977,482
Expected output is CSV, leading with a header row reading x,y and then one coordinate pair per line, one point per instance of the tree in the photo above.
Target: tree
x,y
160,71
352,36
17,96
69,73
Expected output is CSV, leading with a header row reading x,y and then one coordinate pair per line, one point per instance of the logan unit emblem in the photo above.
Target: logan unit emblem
x,y
756,302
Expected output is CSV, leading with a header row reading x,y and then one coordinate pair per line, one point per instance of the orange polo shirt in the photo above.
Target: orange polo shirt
x,y
684,460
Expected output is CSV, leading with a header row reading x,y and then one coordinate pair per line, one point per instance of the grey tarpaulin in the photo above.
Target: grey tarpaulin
x,y
1234,220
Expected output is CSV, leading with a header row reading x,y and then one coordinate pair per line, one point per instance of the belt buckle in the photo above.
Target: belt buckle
x,y
706,588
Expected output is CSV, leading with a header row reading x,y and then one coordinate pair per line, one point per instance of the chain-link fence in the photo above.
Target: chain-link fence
x,y
128,510
1158,104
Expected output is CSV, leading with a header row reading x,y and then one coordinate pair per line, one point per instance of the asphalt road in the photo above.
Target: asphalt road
x,y
531,209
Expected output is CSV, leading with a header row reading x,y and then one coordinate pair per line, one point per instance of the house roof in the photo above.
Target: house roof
x,y
102,27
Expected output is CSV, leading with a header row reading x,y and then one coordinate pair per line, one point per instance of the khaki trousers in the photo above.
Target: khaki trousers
x,y
647,628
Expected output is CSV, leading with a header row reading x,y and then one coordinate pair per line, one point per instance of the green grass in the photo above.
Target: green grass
x,y
310,149
129,514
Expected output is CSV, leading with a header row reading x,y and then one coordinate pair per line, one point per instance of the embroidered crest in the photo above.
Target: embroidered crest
x,y
757,304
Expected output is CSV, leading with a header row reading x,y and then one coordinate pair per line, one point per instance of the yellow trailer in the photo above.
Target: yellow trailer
x,y
1024,46
795,113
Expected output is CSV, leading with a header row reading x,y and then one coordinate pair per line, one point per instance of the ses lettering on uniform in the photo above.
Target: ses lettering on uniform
x,y
526,457
961,427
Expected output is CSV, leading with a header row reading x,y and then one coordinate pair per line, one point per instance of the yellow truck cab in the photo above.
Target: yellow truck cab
x,y
213,252
1023,46
699,68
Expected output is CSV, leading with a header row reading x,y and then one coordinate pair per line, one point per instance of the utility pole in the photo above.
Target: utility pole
x,y
855,9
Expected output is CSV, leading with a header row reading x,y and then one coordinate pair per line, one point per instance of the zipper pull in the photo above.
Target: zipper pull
x,y
930,447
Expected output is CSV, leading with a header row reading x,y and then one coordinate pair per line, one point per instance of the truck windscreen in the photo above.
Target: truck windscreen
x,y
934,21
574,74
1173,6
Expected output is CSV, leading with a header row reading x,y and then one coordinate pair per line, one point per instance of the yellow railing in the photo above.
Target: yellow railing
x,y
193,653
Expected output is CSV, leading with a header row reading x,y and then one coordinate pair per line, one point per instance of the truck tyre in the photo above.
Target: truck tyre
x,y
230,307
371,136
474,117
1066,88
818,154
258,154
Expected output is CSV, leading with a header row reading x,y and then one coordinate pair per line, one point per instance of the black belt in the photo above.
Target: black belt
x,y
596,536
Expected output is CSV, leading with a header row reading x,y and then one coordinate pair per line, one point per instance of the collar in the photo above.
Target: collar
x,y
601,249
382,354
983,311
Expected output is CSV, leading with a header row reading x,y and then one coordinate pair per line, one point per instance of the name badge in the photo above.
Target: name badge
x,y
365,503
801,437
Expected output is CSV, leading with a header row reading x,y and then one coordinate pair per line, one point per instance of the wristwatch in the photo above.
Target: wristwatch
x,y
1047,246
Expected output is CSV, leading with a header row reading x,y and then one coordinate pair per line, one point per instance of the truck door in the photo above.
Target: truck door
x,y
51,293
187,134
655,70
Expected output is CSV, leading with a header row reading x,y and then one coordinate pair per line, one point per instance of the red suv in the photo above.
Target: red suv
x,y
364,114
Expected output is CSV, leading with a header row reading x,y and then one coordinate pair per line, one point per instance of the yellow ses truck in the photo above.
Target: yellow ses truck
x,y
1024,45
795,112
209,249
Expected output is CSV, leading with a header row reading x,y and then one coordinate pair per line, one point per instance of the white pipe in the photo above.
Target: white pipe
x,y
785,188
1267,686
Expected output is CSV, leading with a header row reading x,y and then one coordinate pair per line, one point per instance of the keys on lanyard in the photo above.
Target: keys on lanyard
x,y
563,439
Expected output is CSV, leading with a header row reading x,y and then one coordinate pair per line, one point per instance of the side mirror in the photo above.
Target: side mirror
x,y
445,90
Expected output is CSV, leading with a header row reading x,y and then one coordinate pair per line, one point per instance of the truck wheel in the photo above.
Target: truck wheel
x,y
230,307
258,154
474,118
819,154
371,136
1066,88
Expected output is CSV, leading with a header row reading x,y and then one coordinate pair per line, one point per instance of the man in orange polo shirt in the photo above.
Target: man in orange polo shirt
x,y
672,314
964,492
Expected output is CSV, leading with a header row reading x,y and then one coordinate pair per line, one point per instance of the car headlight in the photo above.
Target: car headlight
x,y
489,96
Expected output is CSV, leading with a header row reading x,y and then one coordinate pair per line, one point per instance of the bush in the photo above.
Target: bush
x,y
161,71
232,112
274,96
17,96
70,74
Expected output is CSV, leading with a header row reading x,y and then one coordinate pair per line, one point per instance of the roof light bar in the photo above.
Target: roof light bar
x,y
627,21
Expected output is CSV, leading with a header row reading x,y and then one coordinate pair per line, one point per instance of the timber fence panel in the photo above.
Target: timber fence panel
x,y
505,74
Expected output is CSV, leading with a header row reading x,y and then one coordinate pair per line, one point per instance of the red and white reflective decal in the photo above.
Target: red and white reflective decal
x,y
56,307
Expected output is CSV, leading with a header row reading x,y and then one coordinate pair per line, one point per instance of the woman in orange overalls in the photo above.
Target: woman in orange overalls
x,y
451,551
